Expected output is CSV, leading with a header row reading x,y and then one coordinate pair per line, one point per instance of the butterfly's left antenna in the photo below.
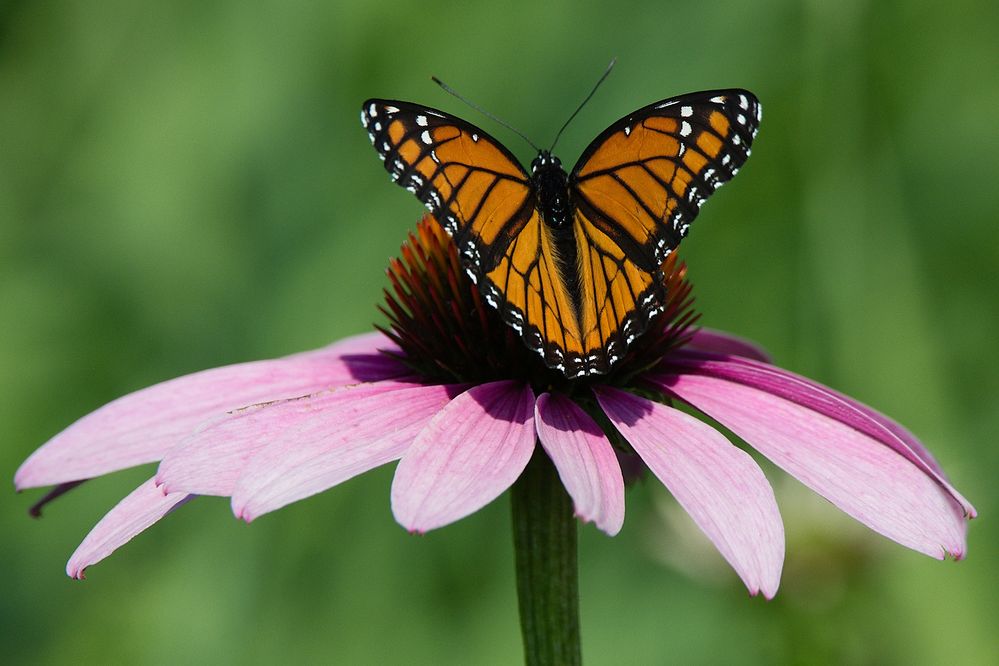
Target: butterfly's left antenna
x,y
448,89
580,107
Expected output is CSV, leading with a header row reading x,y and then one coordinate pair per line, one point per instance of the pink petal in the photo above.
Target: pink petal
x,y
468,454
868,480
719,485
720,342
210,461
140,427
585,460
344,437
141,509
824,400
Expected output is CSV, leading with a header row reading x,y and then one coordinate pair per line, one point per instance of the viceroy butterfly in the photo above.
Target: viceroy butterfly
x,y
572,261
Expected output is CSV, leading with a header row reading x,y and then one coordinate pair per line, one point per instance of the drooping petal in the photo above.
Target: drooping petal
x,y
141,426
720,342
54,493
468,454
585,460
871,482
210,461
824,400
340,440
143,507
718,484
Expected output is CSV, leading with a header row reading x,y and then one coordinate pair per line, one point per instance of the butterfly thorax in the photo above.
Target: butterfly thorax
x,y
551,185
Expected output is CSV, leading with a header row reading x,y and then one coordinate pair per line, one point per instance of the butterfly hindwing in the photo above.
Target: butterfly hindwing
x,y
619,296
529,288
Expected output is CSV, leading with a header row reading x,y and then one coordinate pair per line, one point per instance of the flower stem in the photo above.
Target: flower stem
x,y
544,538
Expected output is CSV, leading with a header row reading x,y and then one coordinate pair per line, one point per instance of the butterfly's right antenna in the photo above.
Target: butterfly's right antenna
x,y
580,107
448,89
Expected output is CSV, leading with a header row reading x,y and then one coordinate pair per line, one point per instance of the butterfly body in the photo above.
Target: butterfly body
x,y
571,260
551,186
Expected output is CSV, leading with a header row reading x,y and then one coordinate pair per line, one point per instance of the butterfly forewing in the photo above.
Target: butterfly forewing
x,y
458,171
645,177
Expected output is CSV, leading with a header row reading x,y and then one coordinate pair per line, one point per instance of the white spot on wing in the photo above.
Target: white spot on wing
x,y
392,109
685,129
687,111
425,137
421,121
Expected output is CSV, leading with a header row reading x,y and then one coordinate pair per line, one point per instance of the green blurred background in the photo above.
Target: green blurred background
x,y
186,184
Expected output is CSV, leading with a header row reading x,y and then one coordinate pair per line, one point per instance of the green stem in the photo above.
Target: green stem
x,y
544,539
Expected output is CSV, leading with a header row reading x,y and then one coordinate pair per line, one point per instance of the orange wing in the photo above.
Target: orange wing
x,y
479,193
634,193
636,189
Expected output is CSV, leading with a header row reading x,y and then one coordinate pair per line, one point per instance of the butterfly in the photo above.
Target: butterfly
x,y
571,260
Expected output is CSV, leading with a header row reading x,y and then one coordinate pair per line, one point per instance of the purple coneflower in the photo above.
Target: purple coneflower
x,y
451,392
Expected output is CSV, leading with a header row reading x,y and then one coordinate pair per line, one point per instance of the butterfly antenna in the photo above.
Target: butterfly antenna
x,y
580,108
451,91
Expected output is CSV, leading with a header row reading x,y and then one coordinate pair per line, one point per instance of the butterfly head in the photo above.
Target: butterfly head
x,y
545,161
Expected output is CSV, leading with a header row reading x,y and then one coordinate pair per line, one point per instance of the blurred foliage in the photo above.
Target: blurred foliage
x,y
186,184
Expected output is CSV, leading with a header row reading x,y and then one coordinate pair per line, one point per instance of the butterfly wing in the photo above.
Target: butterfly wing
x,y
481,195
635,190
